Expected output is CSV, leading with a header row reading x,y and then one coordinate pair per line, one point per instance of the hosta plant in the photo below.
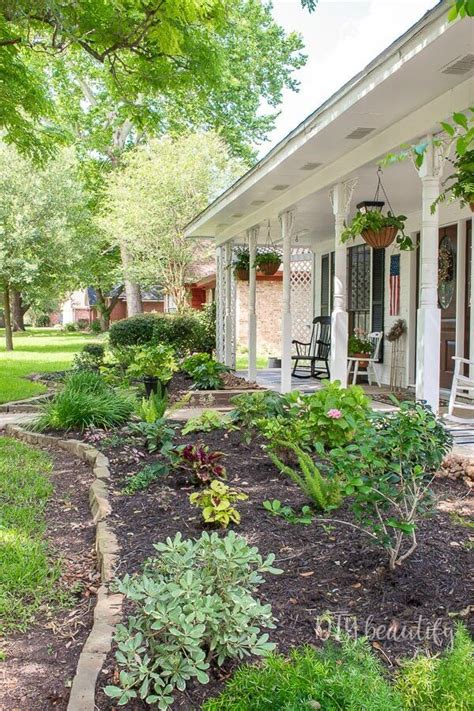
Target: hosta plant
x,y
200,462
216,503
194,604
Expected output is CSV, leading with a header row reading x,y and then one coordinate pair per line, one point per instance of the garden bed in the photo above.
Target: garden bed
x,y
328,567
40,662
181,384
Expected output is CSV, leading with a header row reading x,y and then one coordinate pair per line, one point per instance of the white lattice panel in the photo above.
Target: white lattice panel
x,y
302,292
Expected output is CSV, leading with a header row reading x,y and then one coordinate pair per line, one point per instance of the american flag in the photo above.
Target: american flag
x,y
395,285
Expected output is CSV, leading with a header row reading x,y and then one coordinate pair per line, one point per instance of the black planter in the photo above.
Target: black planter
x,y
151,385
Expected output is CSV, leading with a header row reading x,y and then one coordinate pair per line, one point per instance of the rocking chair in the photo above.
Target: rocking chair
x,y
315,352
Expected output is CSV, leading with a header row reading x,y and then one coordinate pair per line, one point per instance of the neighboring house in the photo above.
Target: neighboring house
x,y
81,304
308,186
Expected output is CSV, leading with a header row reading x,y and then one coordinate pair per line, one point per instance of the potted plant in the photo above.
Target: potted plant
x,y
359,346
459,185
268,262
241,263
155,364
378,230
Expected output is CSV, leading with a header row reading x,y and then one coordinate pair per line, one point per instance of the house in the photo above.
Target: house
x,y
307,188
81,304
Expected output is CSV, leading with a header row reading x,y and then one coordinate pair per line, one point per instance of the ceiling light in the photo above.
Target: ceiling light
x,y
310,166
237,214
257,202
280,187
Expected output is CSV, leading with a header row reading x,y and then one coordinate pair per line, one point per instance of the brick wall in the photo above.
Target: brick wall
x,y
269,307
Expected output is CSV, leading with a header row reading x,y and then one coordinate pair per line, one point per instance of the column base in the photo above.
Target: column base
x,y
339,337
428,346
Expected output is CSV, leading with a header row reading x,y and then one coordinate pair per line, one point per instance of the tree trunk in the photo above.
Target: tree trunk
x,y
104,310
7,317
18,311
132,289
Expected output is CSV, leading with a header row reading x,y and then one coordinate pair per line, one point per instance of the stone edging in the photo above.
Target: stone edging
x,y
29,404
108,608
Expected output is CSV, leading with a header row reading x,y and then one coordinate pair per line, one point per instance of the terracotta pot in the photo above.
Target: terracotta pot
x,y
362,363
381,238
242,274
270,268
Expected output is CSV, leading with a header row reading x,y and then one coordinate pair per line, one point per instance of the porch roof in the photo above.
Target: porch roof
x,y
401,95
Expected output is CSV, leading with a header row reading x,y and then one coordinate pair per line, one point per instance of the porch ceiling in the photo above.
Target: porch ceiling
x,y
396,85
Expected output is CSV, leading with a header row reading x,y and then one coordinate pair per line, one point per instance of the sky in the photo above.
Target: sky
x,y
341,37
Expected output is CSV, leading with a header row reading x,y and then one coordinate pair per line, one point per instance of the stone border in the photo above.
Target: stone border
x,y
29,404
108,607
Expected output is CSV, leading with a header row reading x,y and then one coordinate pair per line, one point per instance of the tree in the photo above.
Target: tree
x,y
161,187
43,229
223,54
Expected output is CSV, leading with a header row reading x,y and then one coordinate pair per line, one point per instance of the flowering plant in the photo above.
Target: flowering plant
x,y
200,462
359,343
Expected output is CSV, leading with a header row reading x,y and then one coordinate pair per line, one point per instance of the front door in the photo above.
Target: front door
x,y
447,301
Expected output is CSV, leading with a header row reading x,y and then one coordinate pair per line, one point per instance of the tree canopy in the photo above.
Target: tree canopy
x,y
148,203
178,64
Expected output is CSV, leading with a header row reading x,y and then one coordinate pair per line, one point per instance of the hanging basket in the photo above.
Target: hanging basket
x,y
242,274
382,238
270,268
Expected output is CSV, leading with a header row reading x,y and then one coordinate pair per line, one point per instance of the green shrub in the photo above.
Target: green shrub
x,y
388,470
43,320
205,422
133,331
440,683
96,327
82,324
153,360
337,678
250,408
90,358
194,603
85,401
205,372
71,327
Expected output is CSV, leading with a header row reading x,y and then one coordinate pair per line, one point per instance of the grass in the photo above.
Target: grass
x,y
27,576
242,361
40,350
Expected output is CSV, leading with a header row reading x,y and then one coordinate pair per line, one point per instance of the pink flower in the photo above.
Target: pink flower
x,y
334,414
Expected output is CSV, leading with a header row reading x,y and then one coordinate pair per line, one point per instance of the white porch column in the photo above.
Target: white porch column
x,y
220,303
340,196
287,219
228,321
429,315
252,304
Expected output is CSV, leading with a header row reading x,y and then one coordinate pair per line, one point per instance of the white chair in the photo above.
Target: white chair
x,y
372,362
463,386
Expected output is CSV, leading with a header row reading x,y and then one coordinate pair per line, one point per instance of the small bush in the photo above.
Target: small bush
x,y
153,361
71,327
90,358
336,678
133,331
205,422
43,320
82,324
85,401
194,603
205,372
216,503
95,327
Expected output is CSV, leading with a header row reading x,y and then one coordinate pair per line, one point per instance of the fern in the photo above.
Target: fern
x,y
324,493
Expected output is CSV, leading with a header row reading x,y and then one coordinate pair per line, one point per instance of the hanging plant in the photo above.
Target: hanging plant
x,y
241,263
376,229
268,261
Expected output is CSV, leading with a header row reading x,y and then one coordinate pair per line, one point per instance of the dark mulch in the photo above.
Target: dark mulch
x,y
327,567
41,662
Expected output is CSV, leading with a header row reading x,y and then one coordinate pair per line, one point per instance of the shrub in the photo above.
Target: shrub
x,y
133,331
205,422
156,435
42,320
389,471
85,401
82,324
202,464
441,683
216,503
90,358
71,327
153,361
96,327
336,678
194,603
205,372
250,408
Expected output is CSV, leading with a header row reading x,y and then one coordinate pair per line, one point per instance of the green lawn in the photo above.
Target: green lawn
x,y
27,576
39,350
242,361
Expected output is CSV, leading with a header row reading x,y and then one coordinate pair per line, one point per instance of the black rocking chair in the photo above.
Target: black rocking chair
x,y
316,351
